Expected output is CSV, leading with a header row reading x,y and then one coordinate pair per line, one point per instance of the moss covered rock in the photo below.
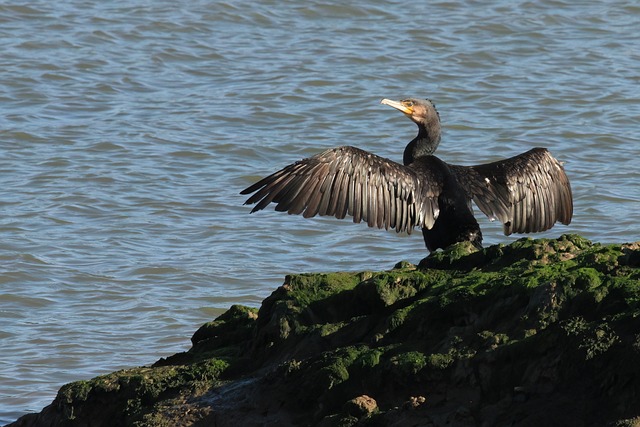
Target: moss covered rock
x,y
538,332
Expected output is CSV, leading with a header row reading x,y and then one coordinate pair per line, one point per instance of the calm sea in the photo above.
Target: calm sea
x,y
127,130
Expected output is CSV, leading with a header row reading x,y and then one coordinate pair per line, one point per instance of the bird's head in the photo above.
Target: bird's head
x,y
420,111
424,114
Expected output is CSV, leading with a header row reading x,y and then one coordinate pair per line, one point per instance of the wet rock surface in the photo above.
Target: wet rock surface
x,y
538,332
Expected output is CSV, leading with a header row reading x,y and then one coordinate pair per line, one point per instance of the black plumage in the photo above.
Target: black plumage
x,y
527,193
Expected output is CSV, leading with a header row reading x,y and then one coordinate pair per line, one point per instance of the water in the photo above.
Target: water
x,y
127,131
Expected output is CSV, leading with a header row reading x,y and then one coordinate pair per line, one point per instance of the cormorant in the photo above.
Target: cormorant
x,y
527,193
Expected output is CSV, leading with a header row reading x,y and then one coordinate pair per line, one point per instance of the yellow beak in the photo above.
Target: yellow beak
x,y
398,106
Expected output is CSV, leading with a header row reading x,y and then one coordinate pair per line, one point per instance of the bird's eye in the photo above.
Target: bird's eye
x,y
408,103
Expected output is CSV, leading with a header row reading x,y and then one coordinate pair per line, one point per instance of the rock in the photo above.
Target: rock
x,y
416,401
538,332
633,422
361,406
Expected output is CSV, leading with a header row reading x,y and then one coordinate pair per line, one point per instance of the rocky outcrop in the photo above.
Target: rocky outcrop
x,y
539,332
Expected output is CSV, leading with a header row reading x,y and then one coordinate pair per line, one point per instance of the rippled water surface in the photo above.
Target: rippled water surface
x,y
128,129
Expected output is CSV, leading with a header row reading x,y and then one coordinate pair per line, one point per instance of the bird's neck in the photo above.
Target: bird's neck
x,y
424,144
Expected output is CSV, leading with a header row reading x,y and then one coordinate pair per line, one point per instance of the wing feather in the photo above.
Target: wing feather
x,y
347,180
527,193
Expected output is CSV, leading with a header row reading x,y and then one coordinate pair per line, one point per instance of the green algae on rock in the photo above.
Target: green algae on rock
x,y
538,332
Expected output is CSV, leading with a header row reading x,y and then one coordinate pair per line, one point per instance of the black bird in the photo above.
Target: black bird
x,y
527,193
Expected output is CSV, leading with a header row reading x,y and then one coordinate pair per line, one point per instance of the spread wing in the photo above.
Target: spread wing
x,y
527,193
347,180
